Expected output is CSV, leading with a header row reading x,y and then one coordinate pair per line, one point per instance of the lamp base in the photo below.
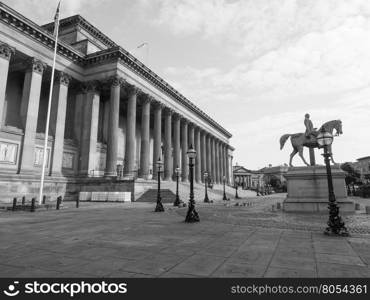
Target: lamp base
x,y
177,202
341,232
192,216
206,199
159,207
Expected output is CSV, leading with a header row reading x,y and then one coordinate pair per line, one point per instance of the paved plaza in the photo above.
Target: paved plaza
x,y
130,240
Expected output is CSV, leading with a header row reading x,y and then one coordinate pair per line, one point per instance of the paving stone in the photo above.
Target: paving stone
x,y
293,262
253,256
337,270
199,264
222,251
273,272
334,247
154,265
339,259
10,271
238,270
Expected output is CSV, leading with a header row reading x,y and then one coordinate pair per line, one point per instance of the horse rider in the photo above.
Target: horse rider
x,y
309,127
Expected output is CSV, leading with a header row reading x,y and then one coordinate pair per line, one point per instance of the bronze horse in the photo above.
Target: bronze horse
x,y
299,140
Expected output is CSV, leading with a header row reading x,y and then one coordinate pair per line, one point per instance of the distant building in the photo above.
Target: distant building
x,y
277,171
363,166
249,179
246,178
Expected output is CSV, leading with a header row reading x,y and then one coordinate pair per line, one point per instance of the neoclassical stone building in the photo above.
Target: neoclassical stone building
x,y
111,116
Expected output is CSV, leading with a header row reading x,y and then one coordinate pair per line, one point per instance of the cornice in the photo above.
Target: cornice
x,y
82,22
18,22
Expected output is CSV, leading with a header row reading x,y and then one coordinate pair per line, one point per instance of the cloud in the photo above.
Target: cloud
x,y
43,11
251,28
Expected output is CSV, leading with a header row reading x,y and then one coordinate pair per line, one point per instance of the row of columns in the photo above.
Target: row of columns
x,y
212,154
174,126
30,108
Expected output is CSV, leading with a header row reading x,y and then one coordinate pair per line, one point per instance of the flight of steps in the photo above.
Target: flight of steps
x,y
167,196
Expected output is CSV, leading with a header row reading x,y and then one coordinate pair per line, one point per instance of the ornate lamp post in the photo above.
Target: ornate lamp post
x,y
191,216
236,182
177,200
159,207
335,224
224,182
206,199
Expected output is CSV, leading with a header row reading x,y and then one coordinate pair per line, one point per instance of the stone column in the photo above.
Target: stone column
x,y
198,159
222,172
112,143
58,120
157,144
213,164
217,163
203,152
176,142
184,149
229,181
209,155
130,137
89,134
168,145
191,135
29,112
224,160
145,138
5,54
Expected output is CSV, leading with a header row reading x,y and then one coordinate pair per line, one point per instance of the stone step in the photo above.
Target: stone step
x,y
150,195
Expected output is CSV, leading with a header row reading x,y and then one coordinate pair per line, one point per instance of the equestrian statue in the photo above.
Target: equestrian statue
x,y
308,138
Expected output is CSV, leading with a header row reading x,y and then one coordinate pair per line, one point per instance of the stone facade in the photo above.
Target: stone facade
x,y
110,116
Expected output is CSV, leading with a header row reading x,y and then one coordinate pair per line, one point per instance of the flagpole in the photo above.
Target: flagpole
x,y
56,30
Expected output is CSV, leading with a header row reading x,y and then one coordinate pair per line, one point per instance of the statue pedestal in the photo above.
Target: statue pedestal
x,y
308,190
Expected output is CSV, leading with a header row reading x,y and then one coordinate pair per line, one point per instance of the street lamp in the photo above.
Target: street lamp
x,y
224,182
206,199
159,207
177,200
191,216
335,224
236,181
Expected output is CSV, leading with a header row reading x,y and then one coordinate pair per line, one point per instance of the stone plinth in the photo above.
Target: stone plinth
x,y
308,190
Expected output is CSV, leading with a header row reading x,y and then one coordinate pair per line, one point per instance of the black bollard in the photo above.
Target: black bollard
x,y
59,200
14,204
43,199
33,202
77,202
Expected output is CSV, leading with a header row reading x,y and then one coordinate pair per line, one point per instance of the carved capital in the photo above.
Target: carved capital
x,y
144,98
6,51
116,81
176,116
36,65
185,121
93,86
62,78
90,86
168,111
157,104
131,90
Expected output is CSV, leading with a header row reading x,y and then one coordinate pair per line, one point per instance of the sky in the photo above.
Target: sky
x,y
255,66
